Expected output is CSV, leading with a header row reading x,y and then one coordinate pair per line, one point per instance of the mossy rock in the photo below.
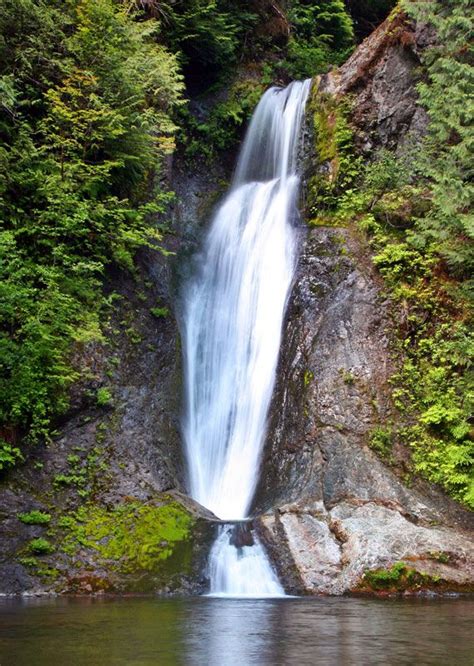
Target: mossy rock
x,y
134,547
402,578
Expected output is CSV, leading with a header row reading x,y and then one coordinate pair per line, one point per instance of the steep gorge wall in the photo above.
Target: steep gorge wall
x,y
339,509
332,508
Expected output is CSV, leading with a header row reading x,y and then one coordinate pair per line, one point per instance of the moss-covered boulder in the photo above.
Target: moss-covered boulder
x,y
158,546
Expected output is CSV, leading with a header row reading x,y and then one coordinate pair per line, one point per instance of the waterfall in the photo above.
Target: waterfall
x,y
232,321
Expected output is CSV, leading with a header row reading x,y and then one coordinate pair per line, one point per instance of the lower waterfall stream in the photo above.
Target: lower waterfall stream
x,y
232,321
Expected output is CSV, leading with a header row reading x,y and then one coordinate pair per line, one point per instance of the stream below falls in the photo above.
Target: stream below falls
x,y
233,310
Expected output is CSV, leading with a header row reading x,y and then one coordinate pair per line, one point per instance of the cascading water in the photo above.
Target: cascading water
x,y
232,321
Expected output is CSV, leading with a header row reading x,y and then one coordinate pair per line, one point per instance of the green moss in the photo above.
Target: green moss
x,y
50,573
131,537
86,474
348,377
35,517
40,546
29,562
398,578
337,163
439,556
308,378
103,397
160,312
326,220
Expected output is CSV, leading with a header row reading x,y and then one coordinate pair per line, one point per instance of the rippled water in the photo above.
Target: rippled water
x,y
222,632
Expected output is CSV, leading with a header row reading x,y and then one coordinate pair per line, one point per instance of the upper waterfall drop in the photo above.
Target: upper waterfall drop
x,y
234,309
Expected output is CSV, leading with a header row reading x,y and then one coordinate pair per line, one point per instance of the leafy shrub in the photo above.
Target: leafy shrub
x,y
223,126
9,455
381,440
447,157
322,34
208,33
86,97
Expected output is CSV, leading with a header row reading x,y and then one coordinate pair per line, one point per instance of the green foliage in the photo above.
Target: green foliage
x,y
160,312
40,546
337,163
399,577
381,440
104,397
35,517
321,35
30,562
447,158
86,96
84,474
433,388
9,455
222,128
208,32
308,377
439,556
348,377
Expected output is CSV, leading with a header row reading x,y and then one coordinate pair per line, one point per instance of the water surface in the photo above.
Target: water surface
x,y
223,632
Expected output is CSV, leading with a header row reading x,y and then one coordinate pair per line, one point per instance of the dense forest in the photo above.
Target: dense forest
x,y
94,101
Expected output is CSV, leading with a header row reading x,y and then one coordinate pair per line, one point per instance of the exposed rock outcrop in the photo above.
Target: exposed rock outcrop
x,y
340,509
381,78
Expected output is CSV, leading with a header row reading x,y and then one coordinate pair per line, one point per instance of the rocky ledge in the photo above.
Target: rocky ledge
x,y
344,518
365,546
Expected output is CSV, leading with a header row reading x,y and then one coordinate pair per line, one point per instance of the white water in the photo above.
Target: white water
x,y
241,572
233,315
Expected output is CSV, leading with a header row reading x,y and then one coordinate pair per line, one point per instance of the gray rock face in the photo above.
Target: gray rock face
x,y
332,379
339,510
327,552
381,76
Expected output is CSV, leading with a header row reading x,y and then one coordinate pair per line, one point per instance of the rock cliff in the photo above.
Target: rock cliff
x,y
340,511
329,509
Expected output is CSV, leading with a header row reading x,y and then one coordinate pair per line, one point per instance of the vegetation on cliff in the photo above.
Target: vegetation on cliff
x,y
86,97
415,208
91,98
89,94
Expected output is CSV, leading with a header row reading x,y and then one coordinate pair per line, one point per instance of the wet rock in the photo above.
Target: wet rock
x,y
241,535
341,510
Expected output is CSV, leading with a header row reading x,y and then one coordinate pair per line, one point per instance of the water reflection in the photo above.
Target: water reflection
x,y
221,632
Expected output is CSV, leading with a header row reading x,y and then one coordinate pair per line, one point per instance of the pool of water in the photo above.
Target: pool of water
x,y
223,632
